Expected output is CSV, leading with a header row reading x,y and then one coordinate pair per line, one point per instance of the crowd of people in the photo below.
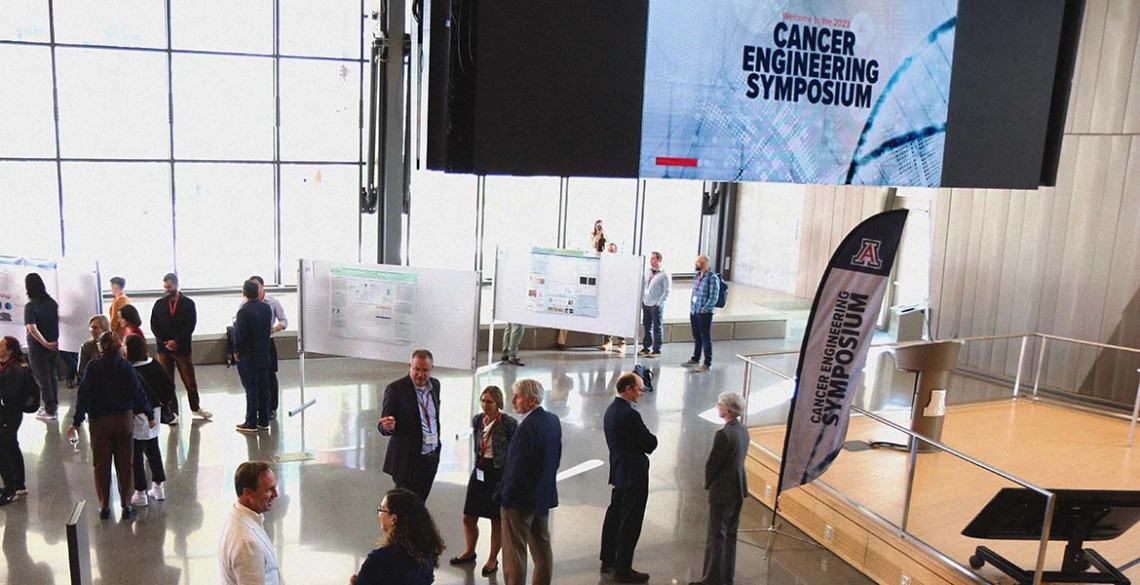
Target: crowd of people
x,y
124,393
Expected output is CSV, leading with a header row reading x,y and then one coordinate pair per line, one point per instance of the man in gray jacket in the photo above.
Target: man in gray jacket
x,y
727,485
657,285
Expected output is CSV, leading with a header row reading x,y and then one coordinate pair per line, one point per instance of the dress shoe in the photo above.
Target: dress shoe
x,y
516,362
643,352
457,560
630,576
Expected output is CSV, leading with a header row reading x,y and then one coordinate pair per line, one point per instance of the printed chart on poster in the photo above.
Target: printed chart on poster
x,y
383,312
372,304
563,282
841,92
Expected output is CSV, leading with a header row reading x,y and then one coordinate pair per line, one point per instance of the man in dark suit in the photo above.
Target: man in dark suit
x,y
410,416
728,486
251,348
528,490
630,444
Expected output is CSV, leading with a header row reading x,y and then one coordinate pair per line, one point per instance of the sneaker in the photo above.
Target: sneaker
x,y
174,421
204,414
644,352
690,364
516,362
504,358
130,512
7,498
49,417
653,354
244,429
139,499
702,368
21,491
605,347
41,412
619,348
158,492
263,427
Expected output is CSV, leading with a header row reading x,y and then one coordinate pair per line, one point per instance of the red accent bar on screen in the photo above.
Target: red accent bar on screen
x,y
673,161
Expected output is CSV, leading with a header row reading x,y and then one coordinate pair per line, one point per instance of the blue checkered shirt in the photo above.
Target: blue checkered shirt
x,y
705,292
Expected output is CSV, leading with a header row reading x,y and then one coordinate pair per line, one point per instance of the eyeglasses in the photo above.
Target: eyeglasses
x,y
381,510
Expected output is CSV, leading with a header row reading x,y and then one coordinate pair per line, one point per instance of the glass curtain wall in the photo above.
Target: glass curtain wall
x,y
210,138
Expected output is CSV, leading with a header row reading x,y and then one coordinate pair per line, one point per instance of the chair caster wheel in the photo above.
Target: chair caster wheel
x,y
976,562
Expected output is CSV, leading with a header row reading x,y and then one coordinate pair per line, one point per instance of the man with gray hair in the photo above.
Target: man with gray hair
x,y
245,552
728,486
528,490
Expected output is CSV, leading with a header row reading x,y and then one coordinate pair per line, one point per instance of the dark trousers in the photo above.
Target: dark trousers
x,y
419,476
255,380
651,321
43,364
274,389
622,527
185,363
111,440
153,454
702,336
720,544
11,459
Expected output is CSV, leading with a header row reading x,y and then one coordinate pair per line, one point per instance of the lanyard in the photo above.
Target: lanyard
x,y
424,406
173,305
700,275
486,440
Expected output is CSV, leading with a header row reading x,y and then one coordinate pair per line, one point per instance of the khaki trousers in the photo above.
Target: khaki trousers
x,y
520,531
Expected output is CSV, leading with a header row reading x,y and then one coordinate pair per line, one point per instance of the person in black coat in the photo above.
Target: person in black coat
x,y
411,552
630,444
410,416
728,486
252,329
13,370
172,320
529,489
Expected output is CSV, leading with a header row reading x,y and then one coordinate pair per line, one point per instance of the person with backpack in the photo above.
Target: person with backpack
x,y
14,384
706,293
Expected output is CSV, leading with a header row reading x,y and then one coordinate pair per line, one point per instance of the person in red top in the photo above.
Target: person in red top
x,y
130,323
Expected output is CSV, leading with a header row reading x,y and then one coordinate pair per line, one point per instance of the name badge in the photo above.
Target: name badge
x,y
432,439
479,474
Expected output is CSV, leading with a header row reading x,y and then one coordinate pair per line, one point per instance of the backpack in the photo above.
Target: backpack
x,y
722,296
646,376
30,391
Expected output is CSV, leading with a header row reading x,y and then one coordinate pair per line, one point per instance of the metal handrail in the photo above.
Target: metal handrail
x,y
1050,503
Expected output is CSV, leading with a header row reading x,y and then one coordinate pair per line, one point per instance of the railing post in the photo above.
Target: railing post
x,y
909,483
745,391
1020,361
1050,503
1135,412
1040,360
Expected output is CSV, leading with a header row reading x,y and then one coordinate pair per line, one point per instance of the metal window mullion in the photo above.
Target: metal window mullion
x,y
277,141
55,112
170,120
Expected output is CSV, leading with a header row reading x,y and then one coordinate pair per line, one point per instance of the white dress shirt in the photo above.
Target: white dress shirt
x,y
245,552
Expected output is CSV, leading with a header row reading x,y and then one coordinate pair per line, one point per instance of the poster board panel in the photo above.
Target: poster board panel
x,y
618,300
383,312
73,284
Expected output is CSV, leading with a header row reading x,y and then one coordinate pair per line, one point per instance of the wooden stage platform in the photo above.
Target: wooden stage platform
x,y
1048,445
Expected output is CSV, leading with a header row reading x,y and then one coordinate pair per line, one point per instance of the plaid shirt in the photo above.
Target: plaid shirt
x,y
706,289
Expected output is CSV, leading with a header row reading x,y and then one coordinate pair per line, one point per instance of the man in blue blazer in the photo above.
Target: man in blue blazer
x,y
251,348
410,416
630,444
528,490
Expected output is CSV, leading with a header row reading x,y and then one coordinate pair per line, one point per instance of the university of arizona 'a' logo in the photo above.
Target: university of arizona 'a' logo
x,y
868,254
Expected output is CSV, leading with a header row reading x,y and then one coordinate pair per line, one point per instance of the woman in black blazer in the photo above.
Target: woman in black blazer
x,y
491,435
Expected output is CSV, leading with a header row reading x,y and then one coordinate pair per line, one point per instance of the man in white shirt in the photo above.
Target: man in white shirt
x,y
245,552
657,285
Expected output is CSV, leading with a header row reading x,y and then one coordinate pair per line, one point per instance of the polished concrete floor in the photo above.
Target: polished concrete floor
x,y
325,523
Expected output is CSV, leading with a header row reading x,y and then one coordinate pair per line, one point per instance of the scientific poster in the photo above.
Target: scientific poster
x,y
372,304
837,92
563,281
12,297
